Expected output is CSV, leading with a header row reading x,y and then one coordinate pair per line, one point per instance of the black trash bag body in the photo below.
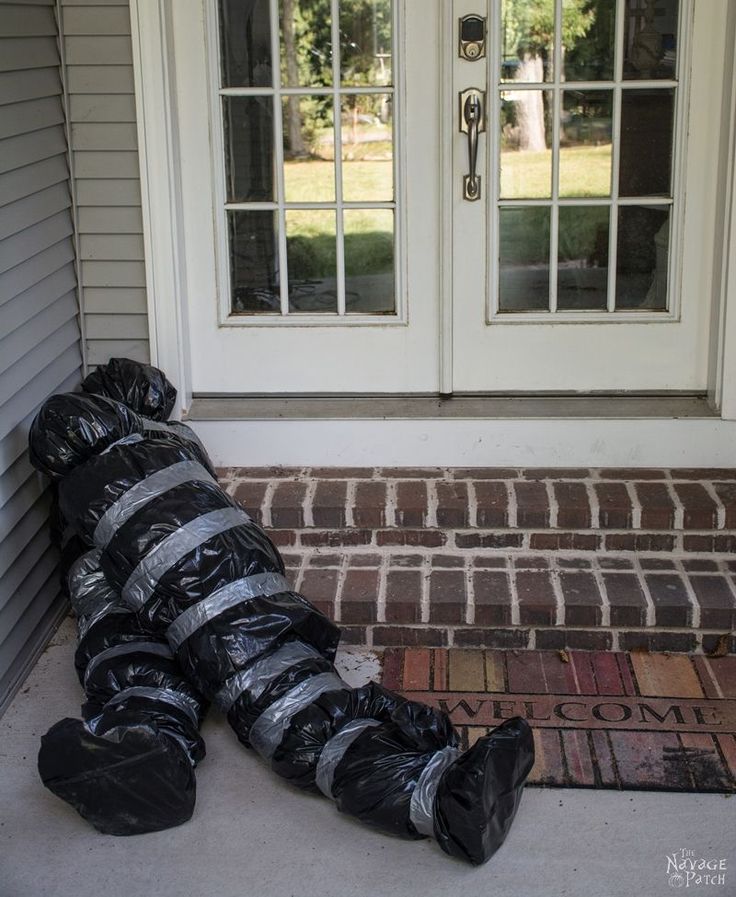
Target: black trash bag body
x,y
197,569
127,767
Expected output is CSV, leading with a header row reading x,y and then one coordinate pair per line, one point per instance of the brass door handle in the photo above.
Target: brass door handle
x,y
472,123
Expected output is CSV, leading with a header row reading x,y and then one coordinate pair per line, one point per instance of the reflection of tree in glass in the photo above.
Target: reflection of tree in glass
x,y
528,30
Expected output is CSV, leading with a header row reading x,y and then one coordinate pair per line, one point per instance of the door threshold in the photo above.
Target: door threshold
x,y
469,407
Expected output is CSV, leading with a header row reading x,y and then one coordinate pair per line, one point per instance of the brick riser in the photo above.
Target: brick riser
x,y
591,559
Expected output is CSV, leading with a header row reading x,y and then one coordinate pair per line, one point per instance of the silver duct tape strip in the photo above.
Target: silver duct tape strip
x,y
256,677
127,648
166,695
125,440
260,585
334,751
143,492
421,807
142,582
154,425
268,730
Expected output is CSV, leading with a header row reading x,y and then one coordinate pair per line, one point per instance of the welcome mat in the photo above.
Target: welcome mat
x,y
600,719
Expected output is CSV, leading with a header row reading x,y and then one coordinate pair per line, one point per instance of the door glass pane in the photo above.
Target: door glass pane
x,y
311,258
367,148
526,156
647,121
586,143
524,259
527,39
306,43
650,39
254,253
248,127
309,149
365,42
589,37
643,249
245,43
369,261
582,278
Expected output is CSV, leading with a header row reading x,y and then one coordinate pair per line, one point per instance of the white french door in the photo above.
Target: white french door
x,y
333,246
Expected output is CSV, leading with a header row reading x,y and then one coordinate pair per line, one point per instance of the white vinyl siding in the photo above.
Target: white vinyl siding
x,y
102,114
40,349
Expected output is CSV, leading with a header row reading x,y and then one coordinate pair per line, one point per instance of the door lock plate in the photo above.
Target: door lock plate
x,y
472,38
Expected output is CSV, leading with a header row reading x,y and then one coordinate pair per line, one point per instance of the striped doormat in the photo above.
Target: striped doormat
x,y
600,719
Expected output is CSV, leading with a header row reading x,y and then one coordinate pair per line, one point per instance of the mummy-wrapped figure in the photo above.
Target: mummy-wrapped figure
x,y
197,570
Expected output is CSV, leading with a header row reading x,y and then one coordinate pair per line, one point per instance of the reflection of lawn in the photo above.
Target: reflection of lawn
x,y
314,181
584,171
524,236
312,254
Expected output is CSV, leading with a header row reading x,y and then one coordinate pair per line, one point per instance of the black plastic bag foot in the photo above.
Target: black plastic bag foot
x,y
479,794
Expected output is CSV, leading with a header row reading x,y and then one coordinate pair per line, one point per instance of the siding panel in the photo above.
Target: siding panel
x,y
40,350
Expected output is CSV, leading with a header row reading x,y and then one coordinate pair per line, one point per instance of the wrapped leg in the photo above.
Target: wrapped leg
x,y
128,766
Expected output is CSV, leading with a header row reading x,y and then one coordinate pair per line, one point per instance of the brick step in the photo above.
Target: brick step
x,y
583,509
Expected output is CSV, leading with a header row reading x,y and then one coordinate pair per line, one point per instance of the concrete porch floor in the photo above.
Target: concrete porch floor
x,y
253,835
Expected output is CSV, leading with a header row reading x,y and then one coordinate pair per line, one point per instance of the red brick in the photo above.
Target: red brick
x,y
492,504
657,507
489,540
492,598
439,669
447,598
574,563
392,663
353,635
700,509
286,505
414,537
416,669
582,664
639,542
713,642
723,671
626,599
649,759
722,544
336,538
448,560
485,637
281,537
612,563
717,602
488,561
452,504
325,560
726,492
403,596
632,640
267,473
556,473
578,758
700,565
407,560
320,587
550,541
525,673
537,600
532,507
612,675
657,564
549,767
485,473
403,635
249,495
672,605
605,768
627,473
573,508
581,639
359,595
530,562
614,505
583,600
225,473
369,509
727,744
416,473
559,677
411,503
365,560
341,473
703,473
328,504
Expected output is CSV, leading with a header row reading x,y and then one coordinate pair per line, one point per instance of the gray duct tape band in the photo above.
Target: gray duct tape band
x,y
127,648
421,808
126,440
143,580
259,585
256,677
167,695
143,492
157,425
268,730
334,751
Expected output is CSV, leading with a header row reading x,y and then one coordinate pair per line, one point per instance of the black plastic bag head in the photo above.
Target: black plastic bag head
x,y
72,427
141,387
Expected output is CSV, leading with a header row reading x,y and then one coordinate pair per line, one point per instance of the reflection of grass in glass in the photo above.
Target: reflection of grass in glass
x,y
313,181
584,171
524,235
313,255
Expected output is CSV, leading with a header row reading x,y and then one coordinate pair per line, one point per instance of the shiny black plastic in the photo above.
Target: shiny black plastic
x,y
142,387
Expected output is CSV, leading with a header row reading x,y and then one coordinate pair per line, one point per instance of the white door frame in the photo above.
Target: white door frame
x,y
166,260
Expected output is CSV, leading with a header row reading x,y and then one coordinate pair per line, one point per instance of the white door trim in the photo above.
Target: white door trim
x,y
155,91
